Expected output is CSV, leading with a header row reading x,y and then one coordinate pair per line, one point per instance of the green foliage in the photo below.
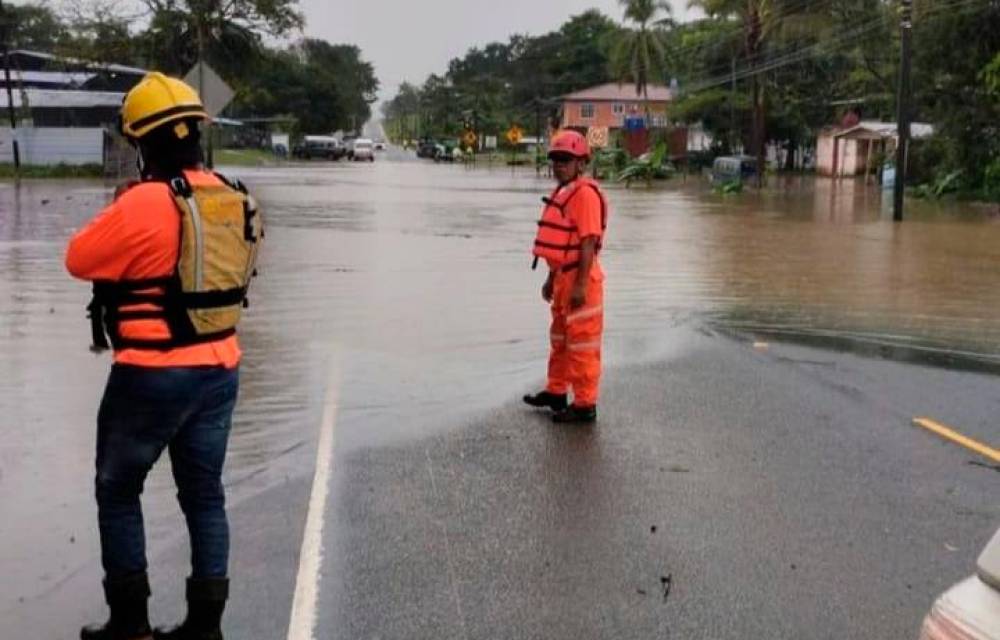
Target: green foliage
x,y
608,162
991,181
647,167
991,77
32,26
729,187
639,55
941,186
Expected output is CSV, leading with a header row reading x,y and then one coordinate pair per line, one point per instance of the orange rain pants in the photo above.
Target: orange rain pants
x,y
575,356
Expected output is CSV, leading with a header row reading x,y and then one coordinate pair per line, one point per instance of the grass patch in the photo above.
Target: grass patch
x,y
246,158
53,171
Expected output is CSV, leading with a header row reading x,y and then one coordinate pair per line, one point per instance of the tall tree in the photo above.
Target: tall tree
x,y
188,30
32,26
640,54
761,21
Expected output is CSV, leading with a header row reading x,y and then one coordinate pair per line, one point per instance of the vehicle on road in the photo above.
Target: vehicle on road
x,y
733,168
379,145
322,147
971,609
362,149
427,148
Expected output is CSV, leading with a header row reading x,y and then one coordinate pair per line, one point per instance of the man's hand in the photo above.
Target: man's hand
x,y
547,290
578,296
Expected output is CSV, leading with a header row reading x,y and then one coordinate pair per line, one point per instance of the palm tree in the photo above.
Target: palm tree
x,y
639,54
762,21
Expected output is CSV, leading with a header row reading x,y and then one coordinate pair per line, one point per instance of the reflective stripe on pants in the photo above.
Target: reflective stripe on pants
x,y
575,356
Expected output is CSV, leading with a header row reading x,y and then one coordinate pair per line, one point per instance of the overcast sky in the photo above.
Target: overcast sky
x,y
408,40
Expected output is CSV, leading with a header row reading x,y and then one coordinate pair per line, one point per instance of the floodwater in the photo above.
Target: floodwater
x,y
404,290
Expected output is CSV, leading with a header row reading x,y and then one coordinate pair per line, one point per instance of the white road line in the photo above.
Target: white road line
x,y
447,548
302,625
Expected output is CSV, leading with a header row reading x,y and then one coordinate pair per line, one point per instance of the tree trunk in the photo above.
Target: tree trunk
x,y
790,150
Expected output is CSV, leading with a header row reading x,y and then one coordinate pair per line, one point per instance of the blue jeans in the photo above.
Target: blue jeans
x,y
187,410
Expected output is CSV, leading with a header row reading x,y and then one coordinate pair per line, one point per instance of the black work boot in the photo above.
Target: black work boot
x,y
543,399
206,599
127,599
576,414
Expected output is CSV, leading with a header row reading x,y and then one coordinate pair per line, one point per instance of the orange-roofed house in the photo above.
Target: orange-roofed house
x,y
607,105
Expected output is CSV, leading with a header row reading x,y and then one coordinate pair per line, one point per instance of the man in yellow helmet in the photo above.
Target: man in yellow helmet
x,y
170,259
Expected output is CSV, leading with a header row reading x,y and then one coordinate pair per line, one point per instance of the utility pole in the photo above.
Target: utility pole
x,y
209,148
4,35
903,109
733,135
538,134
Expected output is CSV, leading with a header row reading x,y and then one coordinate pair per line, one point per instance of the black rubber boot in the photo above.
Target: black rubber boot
x,y
206,599
547,399
127,599
576,414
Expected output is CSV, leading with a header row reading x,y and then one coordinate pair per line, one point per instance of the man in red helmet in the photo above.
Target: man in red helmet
x,y
570,235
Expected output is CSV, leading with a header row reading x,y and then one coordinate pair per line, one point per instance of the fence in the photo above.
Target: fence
x,y
47,146
55,145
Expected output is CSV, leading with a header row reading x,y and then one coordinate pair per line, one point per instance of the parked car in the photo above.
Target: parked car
x,y
379,145
733,168
445,152
363,149
971,609
323,147
427,149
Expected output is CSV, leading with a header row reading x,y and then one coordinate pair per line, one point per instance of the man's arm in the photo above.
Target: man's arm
x,y
95,251
588,248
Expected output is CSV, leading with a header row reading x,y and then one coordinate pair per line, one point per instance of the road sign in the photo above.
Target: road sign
x,y
469,138
215,93
597,137
514,134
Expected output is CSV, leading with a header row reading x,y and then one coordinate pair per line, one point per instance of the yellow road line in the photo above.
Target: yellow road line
x,y
958,438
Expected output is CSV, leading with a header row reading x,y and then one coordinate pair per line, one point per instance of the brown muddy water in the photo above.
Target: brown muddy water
x,y
406,287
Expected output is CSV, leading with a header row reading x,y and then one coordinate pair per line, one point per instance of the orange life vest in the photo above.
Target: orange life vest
x,y
558,239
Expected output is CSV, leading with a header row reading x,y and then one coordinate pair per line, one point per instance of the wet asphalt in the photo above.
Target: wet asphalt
x,y
735,486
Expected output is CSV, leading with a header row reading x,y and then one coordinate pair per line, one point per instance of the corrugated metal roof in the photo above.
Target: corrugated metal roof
x,y
621,93
888,129
57,99
48,77
87,63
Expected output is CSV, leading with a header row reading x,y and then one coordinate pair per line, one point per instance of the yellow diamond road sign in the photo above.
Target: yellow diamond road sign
x,y
514,134
469,138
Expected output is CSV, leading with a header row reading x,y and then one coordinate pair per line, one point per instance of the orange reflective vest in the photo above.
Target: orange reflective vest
x,y
558,239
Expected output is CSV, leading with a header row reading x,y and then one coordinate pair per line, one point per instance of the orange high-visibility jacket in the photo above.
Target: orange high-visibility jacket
x,y
558,240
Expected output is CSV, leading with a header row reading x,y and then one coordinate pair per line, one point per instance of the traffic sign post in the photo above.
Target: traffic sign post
x,y
514,135
215,96
469,138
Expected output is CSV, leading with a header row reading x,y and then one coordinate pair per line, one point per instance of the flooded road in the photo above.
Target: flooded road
x,y
407,286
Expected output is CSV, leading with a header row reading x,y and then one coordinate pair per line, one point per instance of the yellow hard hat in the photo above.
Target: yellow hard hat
x,y
156,101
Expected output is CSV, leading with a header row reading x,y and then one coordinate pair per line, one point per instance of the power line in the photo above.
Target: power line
x,y
804,53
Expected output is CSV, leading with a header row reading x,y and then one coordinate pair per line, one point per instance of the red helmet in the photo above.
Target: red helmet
x,y
571,142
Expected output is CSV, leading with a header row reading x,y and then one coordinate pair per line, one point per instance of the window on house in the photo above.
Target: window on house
x,y
586,111
619,109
